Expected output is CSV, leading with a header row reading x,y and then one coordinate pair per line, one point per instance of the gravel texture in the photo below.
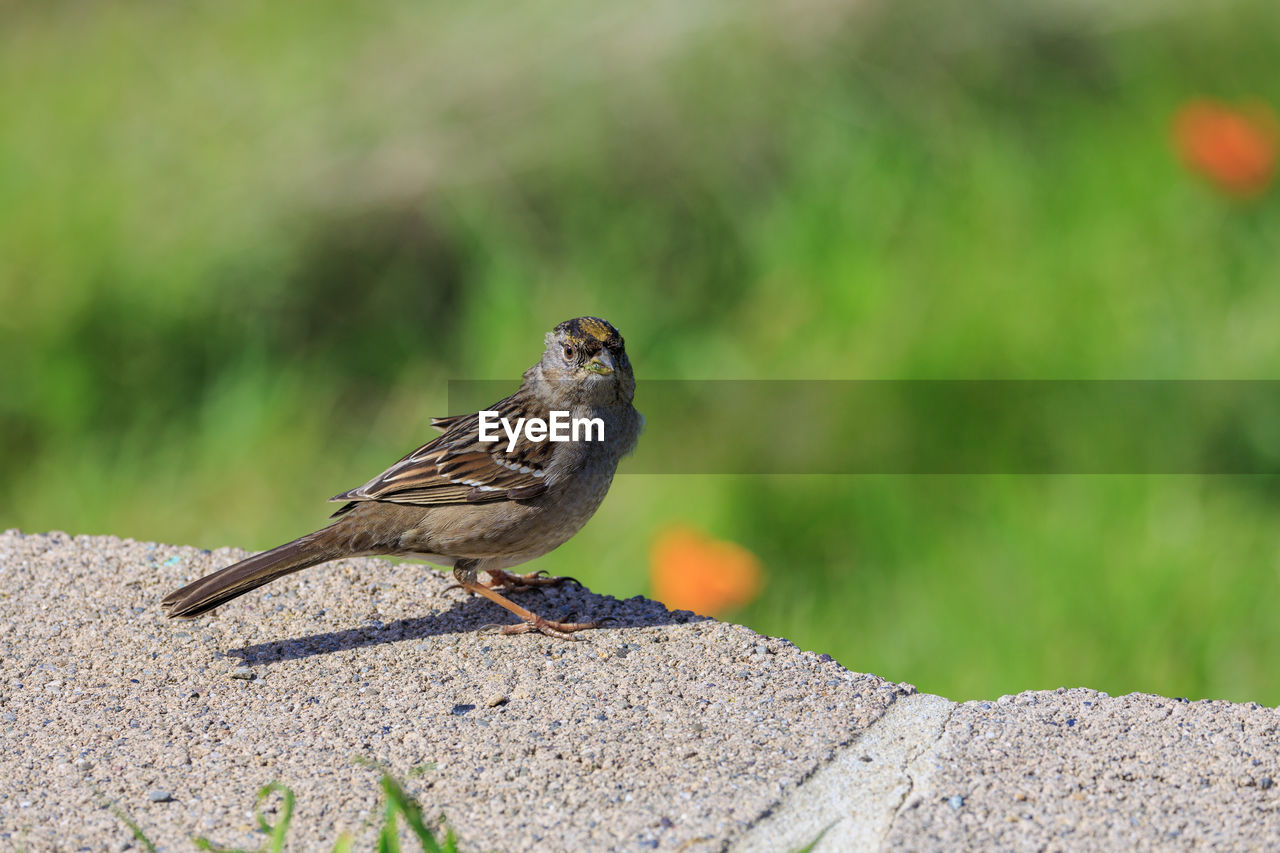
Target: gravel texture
x,y
662,731
1080,770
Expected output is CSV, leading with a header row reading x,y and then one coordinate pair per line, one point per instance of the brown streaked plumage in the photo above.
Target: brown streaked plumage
x,y
473,505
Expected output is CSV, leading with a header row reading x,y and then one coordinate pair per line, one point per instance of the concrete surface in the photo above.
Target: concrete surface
x,y
663,731
1079,770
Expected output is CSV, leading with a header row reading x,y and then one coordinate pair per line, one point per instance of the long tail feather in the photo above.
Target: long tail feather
x,y
223,585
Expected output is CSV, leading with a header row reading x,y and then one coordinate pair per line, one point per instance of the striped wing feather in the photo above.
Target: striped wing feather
x,y
458,468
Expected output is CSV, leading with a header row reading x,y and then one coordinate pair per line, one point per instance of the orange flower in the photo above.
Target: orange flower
x,y
1234,148
692,571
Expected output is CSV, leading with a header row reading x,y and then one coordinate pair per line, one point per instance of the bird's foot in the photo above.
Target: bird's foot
x,y
560,630
508,582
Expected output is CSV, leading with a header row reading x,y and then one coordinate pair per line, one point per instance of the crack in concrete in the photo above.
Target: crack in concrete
x,y
836,752
855,796
924,750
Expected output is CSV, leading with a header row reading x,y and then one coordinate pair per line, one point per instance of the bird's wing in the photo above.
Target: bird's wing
x,y
443,424
458,468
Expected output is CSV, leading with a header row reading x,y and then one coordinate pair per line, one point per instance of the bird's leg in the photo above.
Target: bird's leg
x,y
465,573
532,621
508,582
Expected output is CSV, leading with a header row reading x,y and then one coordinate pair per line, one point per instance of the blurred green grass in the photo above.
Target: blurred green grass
x,y
242,250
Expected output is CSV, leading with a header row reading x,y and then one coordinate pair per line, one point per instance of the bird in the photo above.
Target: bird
x,y
476,505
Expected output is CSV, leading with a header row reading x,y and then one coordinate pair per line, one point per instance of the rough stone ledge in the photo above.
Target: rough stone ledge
x,y
664,731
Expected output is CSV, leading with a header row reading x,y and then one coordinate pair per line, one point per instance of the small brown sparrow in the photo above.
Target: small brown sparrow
x,y
478,506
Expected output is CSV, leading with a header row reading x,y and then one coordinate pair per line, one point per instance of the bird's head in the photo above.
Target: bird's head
x,y
587,359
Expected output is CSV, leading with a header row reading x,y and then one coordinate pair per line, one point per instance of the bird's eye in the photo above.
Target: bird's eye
x,y
568,353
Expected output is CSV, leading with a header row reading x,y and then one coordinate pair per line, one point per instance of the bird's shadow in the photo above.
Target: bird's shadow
x,y
472,615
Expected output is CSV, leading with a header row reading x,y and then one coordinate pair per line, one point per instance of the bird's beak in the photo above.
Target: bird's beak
x,y
602,363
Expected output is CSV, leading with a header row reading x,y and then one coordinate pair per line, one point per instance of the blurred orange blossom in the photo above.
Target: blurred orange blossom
x,y
692,571
1235,148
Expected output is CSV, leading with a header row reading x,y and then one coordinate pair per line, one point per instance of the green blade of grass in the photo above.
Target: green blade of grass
x,y
133,827
398,803
388,838
205,844
281,828
808,848
401,802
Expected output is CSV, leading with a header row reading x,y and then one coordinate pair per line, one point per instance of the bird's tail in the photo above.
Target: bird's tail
x,y
225,584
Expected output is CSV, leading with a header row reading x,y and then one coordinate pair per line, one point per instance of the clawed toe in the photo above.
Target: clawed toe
x,y
560,630
543,578
508,582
